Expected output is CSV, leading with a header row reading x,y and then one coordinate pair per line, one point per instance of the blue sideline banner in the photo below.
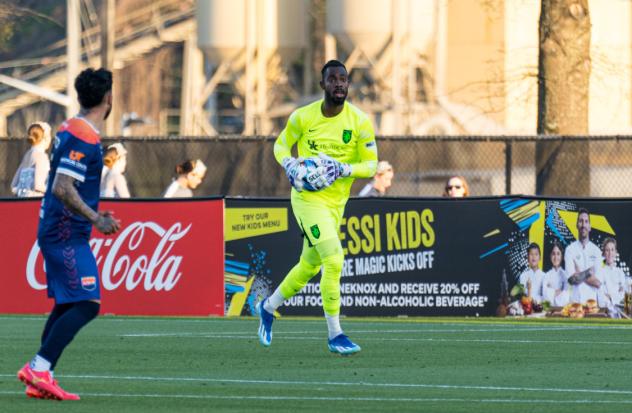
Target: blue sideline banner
x,y
412,257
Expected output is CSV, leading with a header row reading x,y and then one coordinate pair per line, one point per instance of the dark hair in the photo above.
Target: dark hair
x,y
583,211
557,244
533,246
185,167
331,63
92,86
35,134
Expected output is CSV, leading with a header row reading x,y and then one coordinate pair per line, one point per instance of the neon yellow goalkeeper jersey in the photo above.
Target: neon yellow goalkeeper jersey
x,y
347,137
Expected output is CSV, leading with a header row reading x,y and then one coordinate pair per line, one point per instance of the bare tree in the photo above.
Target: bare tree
x,y
563,167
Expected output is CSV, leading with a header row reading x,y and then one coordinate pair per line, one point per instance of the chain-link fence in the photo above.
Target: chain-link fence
x,y
246,166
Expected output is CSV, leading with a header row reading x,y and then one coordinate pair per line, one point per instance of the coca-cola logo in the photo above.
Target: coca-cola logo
x,y
124,260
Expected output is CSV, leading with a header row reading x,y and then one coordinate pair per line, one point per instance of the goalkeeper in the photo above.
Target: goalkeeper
x,y
340,139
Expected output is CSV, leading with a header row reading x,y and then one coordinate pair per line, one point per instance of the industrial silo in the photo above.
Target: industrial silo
x,y
225,26
250,43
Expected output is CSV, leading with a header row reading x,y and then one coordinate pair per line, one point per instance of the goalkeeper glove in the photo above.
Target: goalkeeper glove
x,y
334,169
294,171
315,175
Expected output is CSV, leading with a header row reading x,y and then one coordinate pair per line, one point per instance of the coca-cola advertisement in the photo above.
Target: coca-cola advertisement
x,y
167,259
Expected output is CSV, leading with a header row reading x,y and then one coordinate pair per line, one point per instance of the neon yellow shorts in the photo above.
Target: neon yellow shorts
x,y
318,222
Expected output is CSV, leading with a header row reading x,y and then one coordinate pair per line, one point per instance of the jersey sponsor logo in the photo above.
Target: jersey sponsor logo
x,y
72,163
89,282
346,135
315,231
313,146
76,156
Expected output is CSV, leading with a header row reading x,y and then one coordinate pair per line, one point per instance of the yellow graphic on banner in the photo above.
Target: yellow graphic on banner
x,y
536,231
251,222
598,222
239,299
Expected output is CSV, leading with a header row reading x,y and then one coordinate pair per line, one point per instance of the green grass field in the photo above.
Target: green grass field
x,y
121,364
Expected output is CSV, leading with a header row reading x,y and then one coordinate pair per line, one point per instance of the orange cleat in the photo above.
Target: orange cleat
x,y
46,387
33,392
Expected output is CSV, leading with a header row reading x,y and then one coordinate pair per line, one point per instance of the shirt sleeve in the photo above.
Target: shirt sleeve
x,y
120,184
14,182
42,167
171,190
367,152
74,157
288,138
568,263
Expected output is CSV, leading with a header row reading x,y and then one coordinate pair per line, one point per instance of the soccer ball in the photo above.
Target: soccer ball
x,y
310,169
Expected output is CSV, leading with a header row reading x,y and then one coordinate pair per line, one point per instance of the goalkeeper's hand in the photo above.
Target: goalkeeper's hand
x,y
316,177
294,171
334,169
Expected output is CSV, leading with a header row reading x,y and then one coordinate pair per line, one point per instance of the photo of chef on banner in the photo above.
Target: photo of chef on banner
x,y
587,282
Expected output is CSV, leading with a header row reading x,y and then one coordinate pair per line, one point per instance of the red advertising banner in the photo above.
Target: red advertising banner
x,y
167,259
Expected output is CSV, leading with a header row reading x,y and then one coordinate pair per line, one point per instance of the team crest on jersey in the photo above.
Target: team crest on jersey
x,y
346,135
315,231
89,283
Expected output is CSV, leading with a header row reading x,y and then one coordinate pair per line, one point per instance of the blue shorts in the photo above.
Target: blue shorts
x,y
71,273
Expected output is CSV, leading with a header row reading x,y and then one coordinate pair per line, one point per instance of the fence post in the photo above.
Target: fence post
x,y
508,153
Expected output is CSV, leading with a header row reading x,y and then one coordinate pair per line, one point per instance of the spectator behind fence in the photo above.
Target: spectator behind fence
x,y
32,174
382,180
456,187
190,174
113,182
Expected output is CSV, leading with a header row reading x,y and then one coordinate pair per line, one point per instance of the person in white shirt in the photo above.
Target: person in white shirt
x,y
190,175
555,285
31,176
531,279
612,278
113,182
582,258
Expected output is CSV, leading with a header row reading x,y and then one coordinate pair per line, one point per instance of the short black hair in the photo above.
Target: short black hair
x,y
583,211
332,63
533,246
92,86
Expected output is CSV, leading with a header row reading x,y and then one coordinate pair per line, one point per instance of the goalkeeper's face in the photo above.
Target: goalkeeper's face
x,y
335,83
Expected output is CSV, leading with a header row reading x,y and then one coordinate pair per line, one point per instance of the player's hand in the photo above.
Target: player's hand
x,y
106,223
334,169
317,177
294,172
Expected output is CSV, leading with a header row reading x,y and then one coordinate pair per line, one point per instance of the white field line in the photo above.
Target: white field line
x,y
341,384
404,331
324,398
252,336
219,320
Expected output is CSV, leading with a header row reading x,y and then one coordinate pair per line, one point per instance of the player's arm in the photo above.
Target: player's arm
x,y
64,189
283,150
288,138
367,152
